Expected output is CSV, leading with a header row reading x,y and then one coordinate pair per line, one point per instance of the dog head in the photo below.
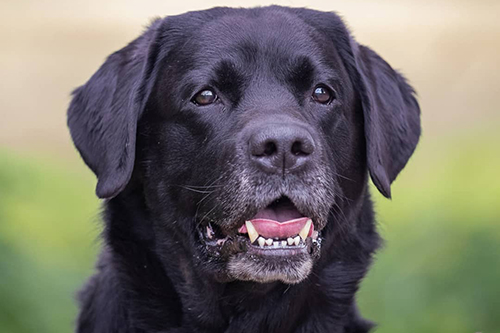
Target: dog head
x,y
250,133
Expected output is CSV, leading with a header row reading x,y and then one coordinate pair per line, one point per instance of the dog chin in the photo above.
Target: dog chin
x,y
263,270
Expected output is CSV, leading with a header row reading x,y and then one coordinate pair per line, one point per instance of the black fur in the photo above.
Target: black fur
x,y
169,168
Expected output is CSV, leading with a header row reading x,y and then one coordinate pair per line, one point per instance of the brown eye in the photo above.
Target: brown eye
x,y
205,97
322,94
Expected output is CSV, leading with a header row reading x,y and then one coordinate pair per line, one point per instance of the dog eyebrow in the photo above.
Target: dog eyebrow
x,y
229,80
301,75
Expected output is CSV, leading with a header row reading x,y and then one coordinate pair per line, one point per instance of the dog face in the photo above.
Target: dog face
x,y
250,134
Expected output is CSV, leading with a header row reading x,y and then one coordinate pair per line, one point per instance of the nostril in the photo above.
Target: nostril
x,y
302,148
297,149
263,148
270,148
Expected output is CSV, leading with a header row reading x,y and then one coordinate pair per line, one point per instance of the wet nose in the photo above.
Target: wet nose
x,y
277,148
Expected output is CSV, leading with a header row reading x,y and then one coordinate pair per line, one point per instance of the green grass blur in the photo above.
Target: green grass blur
x,y
438,271
48,242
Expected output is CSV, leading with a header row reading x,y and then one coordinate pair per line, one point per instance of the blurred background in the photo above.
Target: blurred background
x,y
440,268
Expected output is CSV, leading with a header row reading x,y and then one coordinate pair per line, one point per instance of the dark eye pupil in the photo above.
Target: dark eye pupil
x,y
322,95
205,97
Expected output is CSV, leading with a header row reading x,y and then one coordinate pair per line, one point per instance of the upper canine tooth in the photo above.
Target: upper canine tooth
x,y
305,231
252,233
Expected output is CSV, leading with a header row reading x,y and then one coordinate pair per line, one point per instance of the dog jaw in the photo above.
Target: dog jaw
x,y
252,268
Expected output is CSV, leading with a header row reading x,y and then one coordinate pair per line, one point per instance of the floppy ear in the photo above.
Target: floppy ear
x,y
391,116
103,113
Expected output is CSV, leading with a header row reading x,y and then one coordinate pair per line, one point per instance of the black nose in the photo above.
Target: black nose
x,y
277,148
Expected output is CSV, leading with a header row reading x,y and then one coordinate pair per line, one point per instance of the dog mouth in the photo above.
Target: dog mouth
x,y
279,229
279,225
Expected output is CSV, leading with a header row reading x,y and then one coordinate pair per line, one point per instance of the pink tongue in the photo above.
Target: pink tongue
x,y
274,229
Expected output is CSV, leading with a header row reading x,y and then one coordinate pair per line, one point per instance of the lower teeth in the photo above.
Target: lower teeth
x,y
262,242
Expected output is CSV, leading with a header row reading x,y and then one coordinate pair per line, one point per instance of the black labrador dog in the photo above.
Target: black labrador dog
x,y
233,148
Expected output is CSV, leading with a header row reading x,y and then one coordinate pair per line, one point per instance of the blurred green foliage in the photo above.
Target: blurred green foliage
x,y
47,242
438,272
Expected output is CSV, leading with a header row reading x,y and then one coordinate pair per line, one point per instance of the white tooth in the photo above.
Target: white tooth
x,y
269,241
283,243
252,233
289,240
276,244
296,240
305,231
261,241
